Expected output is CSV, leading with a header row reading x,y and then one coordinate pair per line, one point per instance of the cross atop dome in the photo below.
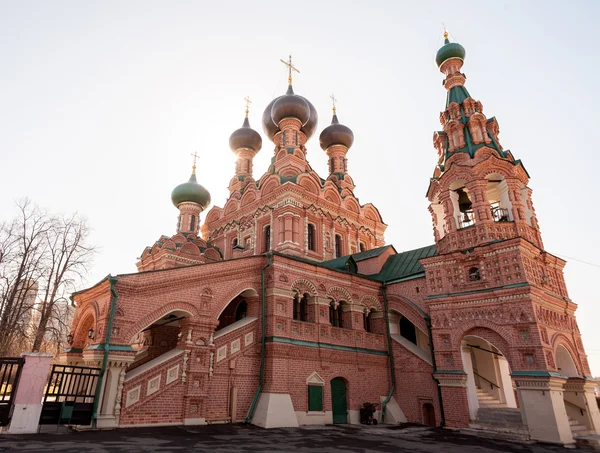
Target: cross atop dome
x,y
290,67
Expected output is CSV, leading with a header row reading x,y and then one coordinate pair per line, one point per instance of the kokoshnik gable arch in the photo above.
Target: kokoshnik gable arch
x,y
286,307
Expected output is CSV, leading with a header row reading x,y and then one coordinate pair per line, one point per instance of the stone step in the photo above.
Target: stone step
x,y
591,442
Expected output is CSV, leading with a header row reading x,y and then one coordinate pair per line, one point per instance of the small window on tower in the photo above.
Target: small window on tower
x,y
338,246
362,247
193,223
234,243
474,274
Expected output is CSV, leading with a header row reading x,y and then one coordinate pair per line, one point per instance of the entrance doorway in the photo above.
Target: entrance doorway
x,y
338,401
428,414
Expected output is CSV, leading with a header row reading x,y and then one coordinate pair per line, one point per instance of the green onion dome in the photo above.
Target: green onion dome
x,y
290,105
449,50
245,137
191,192
336,134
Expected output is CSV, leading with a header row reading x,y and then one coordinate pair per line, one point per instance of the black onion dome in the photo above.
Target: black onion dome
x,y
336,134
290,105
245,137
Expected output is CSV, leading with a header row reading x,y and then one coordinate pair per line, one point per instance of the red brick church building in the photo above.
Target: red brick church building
x,y
286,307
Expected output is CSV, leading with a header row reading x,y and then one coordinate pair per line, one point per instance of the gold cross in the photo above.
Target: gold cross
x,y
195,156
290,67
333,100
445,31
248,102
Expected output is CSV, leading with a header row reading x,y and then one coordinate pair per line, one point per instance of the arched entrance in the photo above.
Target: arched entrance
x,y
489,384
339,406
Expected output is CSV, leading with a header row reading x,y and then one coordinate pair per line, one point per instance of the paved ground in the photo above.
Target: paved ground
x,y
241,438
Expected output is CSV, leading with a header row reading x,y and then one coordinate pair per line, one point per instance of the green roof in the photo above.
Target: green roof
x,y
371,253
343,263
405,264
457,94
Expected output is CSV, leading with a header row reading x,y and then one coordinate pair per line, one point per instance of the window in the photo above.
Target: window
x,y
315,398
300,305
241,311
234,243
367,321
193,223
267,237
311,237
362,247
474,274
408,330
335,314
338,246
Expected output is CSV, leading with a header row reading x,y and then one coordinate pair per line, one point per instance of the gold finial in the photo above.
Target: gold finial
x,y
445,32
290,67
248,102
333,101
195,156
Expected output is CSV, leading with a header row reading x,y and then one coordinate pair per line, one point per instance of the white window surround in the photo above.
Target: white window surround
x,y
153,385
315,379
172,374
133,396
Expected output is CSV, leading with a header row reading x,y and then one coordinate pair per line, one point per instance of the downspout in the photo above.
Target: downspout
x,y
390,352
262,338
113,309
437,381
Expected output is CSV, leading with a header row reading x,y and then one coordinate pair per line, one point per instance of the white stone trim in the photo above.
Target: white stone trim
x,y
221,353
235,346
133,395
153,363
249,338
236,325
153,385
172,374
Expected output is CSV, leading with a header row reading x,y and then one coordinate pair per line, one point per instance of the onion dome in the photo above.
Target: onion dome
x,y
191,192
336,134
449,50
290,105
245,137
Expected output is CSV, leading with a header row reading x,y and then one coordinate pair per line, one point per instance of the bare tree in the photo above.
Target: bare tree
x,y
44,256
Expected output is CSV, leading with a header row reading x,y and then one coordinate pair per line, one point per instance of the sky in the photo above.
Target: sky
x,y
102,104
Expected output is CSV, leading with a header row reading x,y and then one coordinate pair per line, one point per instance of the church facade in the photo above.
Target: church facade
x,y
286,307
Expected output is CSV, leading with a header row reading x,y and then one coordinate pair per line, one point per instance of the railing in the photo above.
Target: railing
x,y
492,385
500,214
10,371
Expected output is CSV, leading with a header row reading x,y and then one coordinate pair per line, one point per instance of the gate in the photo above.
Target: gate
x,y
10,371
70,395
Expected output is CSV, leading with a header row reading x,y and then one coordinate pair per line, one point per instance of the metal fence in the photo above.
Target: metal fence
x,y
10,371
70,395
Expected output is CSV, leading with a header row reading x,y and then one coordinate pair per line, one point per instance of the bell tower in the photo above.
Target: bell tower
x,y
494,293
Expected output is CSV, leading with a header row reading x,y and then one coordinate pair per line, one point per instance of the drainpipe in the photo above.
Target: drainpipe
x,y
390,352
262,338
437,381
113,308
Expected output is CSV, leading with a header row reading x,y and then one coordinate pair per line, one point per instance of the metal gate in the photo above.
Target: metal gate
x,y
70,395
10,371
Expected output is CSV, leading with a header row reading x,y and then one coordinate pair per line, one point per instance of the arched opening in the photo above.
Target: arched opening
x,y
362,247
404,331
367,320
311,237
474,274
489,385
158,338
462,204
565,363
301,307
236,310
497,195
192,223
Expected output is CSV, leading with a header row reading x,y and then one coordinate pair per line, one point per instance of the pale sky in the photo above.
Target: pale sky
x,y
102,103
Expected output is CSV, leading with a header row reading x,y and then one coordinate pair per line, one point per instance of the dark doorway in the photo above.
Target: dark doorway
x,y
338,401
428,414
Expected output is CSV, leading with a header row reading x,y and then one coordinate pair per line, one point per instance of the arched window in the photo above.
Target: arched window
x,y
335,314
234,243
193,223
300,307
362,247
267,238
338,246
236,309
408,330
241,311
311,237
367,320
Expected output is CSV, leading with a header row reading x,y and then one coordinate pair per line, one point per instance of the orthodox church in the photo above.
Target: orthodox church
x,y
286,307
